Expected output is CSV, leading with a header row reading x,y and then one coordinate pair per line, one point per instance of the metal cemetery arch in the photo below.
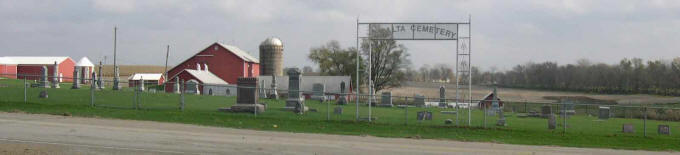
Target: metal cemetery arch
x,y
420,31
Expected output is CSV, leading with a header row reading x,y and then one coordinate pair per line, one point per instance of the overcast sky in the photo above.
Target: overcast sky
x,y
504,33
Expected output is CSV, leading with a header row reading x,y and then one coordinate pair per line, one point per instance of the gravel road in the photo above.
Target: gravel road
x,y
49,134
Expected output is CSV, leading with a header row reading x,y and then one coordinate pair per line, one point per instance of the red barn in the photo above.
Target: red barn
x,y
32,67
8,68
224,61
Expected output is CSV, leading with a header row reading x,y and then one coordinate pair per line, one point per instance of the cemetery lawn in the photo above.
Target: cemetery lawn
x,y
582,131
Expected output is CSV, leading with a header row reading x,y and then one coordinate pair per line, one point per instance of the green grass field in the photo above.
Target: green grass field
x,y
582,130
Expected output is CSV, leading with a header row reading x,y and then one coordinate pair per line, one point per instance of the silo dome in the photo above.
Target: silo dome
x,y
272,41
271,57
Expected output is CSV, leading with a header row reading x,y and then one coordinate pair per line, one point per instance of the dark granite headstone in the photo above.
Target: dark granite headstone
x,y
343,98
76,78
419,100
247,96
386,100
664,129
628,128
546,111
295,101
318,92
442,97
424,115
43,94
604,113
448,121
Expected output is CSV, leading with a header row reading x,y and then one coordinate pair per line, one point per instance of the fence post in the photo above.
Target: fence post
x,y
564,117
328,111
181,95
92,87
525,106
644,124
484,109
25,85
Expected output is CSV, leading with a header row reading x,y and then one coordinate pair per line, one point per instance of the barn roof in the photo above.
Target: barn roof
x,y
145,76
36,60
6,61
85,62
240,53
206,77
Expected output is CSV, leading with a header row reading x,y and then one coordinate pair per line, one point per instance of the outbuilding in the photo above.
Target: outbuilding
x,y
85,69
149,79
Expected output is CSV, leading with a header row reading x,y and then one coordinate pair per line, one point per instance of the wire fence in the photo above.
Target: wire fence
x,y
562,116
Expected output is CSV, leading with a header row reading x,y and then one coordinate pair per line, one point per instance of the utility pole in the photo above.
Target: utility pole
x,y
115,66
167,53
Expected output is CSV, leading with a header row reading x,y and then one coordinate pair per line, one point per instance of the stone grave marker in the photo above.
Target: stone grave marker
x,y
55,76
419,100
343,98
76,83
43,78
247,96
100,82
337,111
628,128
424,115
386,99
43,94
261,91
664,129
442,97
273,93
448,121
295,101
318,90
604,113
546,111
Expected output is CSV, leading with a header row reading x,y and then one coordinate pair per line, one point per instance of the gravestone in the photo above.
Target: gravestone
x,y
567,107
261,91
628,128
424,115
295,101
76,84
442,97
448,121
247,96
386,100
273,94
552,123
86,75
55,76
116,78
343,98
43,94
141,84
191,87
177,86
604,113
337,111
546,111
664,129
318,90
100,82
419,100
43,78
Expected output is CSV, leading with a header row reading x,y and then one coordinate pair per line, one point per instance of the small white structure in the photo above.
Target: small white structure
x,y
206,83
86,68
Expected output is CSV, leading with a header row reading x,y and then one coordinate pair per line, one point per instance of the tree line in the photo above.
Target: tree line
x,y
629,76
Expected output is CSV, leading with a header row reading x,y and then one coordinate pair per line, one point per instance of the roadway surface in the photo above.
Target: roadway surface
x,y
49,134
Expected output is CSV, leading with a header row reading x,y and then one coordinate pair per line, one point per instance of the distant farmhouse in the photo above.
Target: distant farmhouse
x,y
149,79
